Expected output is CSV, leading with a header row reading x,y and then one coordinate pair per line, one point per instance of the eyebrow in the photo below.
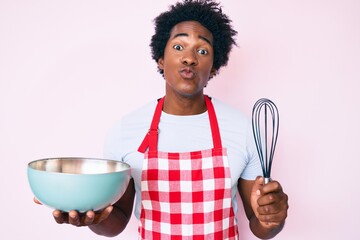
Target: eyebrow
x,y
186,35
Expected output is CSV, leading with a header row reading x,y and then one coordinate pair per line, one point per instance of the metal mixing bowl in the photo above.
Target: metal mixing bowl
x,y
80,184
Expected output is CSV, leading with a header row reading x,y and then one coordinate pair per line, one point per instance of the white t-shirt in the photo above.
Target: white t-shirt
x,y
185,134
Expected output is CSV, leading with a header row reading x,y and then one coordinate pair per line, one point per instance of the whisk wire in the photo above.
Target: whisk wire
x,y
266,155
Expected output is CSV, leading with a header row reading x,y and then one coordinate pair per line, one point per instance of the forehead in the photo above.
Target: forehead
x,y
191,28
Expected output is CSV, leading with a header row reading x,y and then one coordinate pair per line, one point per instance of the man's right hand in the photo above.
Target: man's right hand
x,y
113,218
82,219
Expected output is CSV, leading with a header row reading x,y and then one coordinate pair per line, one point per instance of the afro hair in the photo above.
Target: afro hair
x,y
209,14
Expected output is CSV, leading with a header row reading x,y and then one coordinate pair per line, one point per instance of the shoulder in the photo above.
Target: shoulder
x,y
133,120
228,114
127,133
142,114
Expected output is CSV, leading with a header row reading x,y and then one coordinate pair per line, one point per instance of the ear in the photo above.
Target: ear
x,y
213,72
160,63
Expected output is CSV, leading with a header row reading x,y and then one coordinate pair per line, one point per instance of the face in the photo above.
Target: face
x,y
188,59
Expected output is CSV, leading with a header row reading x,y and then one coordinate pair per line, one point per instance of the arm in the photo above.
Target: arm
x,y
120,215
109,222
265,206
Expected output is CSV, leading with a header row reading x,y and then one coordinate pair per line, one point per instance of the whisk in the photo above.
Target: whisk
x,y
266,142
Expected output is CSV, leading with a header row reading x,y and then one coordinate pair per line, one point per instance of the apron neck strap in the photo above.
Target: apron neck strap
x,y
215,132
151,139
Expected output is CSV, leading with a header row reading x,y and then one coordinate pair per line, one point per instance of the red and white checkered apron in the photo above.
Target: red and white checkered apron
x,y
186,195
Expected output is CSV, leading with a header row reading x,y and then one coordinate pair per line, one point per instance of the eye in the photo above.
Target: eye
x,y
202,51
178,47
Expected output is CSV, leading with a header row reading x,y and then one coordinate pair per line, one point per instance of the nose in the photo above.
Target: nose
x,y
189,58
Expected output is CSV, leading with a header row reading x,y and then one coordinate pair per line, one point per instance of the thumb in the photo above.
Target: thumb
x,y
104,214
255,194
258,184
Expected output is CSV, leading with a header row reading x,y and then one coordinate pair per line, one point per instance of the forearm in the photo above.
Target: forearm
x,y
113,225
264,232
119,216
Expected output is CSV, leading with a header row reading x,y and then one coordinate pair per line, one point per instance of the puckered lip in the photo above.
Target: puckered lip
x,y
187,72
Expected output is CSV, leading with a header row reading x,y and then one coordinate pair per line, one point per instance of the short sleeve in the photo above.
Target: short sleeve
x,y
112,145
253,166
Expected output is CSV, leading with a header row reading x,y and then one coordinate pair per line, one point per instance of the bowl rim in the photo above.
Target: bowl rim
x,y
77,158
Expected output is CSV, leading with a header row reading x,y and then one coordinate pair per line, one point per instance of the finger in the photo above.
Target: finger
x,y
103,215
274,208
74,218
59,216
276,218
267,209
268,199
89,218
276,212
267,223
273,186
273,198
37,201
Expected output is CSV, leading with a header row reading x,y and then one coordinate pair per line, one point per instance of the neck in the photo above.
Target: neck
x,y
180,105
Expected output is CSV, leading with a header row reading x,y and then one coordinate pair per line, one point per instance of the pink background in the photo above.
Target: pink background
x,y
70,69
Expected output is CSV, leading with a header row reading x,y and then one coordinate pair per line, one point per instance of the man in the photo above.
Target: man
x,y
198,152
